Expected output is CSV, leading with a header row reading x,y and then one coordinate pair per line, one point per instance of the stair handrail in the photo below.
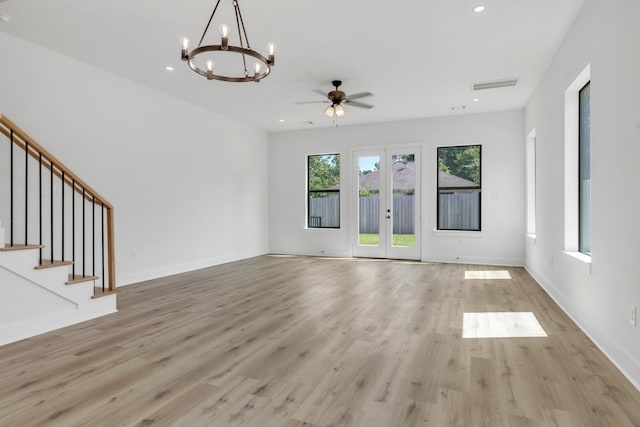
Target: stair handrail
x,y
21,139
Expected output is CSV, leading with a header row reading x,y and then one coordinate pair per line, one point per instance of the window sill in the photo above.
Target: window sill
x,y
579,260
457,233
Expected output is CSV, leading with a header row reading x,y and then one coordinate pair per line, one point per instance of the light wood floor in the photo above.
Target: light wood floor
x,y
296,341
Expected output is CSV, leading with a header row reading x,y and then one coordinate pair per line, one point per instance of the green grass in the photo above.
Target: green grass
x,y
406,240
403,240
369,239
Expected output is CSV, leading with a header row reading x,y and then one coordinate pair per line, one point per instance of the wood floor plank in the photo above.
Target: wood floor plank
x,y
300,341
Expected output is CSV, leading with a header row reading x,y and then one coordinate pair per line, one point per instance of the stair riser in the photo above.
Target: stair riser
x,y
54,279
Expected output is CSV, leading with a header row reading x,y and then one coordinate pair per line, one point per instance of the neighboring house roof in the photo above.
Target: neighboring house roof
x,y
404,178
452,181
404,175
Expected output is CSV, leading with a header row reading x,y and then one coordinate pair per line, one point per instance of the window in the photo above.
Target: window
x,y
323,174
584,169
531,183
459,189
577,168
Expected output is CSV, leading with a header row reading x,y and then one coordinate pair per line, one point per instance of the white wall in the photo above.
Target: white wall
x,y
189,187
605,35
501,136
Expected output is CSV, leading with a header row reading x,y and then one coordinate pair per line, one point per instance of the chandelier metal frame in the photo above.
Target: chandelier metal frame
x,y
262,67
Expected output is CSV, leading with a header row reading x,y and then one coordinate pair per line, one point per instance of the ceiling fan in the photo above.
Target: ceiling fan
x,y
337,97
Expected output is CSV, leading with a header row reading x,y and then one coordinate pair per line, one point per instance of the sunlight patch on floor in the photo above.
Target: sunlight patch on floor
x,y
501,325
487,274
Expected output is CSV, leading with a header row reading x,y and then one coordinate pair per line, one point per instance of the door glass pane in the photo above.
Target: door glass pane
x,y
369,201
403,184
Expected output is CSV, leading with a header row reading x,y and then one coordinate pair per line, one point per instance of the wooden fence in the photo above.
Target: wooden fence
x,y
459,210
328,209
403,214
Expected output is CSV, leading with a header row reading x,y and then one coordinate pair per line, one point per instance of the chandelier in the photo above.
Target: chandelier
x,y
200,58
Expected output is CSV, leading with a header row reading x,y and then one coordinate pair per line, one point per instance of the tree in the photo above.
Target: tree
x,y
324,172
402,158
461,161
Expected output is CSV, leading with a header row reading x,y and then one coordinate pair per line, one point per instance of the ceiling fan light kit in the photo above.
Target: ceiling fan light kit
x,y
337,111
261,68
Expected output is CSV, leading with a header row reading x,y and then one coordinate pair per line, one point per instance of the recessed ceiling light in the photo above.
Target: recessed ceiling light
x,y
476,99
281,120
168,68
479,8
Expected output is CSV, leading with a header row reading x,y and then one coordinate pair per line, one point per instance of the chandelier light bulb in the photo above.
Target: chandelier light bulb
x,y
209,66
271,52
224,34
257,67
184,52
224,30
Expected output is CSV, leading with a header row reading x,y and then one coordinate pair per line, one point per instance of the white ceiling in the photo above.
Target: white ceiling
x,y
418,57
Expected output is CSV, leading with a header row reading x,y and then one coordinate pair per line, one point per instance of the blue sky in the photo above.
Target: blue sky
x,y
367,163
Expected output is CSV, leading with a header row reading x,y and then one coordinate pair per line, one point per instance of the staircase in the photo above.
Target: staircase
x,y
56,242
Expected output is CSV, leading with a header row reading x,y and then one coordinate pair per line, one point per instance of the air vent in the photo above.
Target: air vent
x,y
494,84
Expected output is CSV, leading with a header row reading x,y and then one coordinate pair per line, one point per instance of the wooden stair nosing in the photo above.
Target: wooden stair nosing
x,y
98,293
9,248
80,279
46,263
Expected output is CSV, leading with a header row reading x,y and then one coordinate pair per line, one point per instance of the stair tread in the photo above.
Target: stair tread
x,y
98,292
9,248
46,263
80,279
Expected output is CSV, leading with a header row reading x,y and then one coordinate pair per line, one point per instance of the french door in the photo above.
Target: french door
x,y
387,203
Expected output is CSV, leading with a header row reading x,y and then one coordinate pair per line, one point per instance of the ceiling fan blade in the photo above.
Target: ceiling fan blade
x,y
358,104
359,95
313,102
321,93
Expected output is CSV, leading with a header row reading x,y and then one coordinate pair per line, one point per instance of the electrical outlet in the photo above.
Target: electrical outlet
x,y
633,315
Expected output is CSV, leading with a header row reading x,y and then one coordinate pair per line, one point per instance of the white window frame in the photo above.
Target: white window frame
x,y
531,184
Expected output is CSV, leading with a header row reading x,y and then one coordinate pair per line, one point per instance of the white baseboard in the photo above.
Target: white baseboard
x,y
170,270
626,363
332,254
507,262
